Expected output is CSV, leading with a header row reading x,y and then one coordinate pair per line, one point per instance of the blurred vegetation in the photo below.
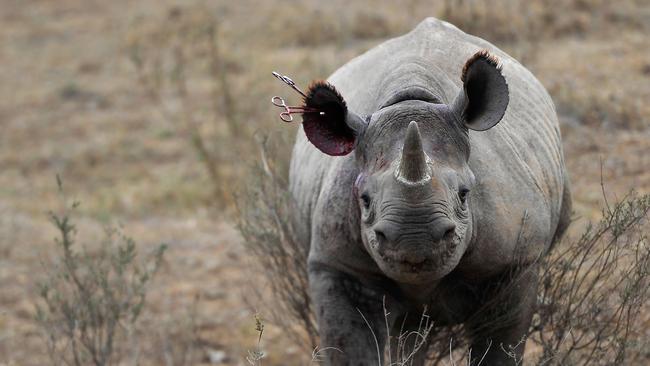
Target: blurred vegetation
x,y
184,73
92,298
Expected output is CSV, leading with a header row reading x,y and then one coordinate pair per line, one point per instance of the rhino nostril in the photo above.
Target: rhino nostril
x,y
381,237
445,231
449,234
385,233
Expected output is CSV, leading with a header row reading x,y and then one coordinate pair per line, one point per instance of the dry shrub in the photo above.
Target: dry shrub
x,y
91,301
271,228
593,290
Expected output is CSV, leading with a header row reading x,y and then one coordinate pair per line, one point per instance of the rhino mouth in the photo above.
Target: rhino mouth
x,y
405,265
419,258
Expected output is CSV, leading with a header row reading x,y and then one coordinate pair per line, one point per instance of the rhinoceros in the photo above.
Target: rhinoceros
x,y
432,173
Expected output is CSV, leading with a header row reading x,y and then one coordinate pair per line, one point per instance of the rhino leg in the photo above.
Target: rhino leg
x,y
341,303
500,328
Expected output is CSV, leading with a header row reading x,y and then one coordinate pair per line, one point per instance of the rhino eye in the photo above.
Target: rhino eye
x,y
365,198
462,194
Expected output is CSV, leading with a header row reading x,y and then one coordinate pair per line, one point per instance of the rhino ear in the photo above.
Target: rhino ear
x,y
334,131
484,98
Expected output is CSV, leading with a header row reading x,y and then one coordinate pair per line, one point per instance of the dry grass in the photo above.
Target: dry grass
x,y
71,102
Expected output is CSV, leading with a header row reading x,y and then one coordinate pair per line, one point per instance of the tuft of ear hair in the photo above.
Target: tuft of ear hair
x,y
484,55
484,98
320,93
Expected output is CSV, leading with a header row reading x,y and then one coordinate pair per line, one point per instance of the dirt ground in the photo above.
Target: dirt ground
x,y
72,103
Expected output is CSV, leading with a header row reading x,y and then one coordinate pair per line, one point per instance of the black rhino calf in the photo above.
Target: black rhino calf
x,y
435,174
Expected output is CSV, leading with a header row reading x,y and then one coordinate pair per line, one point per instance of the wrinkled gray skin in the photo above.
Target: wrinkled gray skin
x,y
416,243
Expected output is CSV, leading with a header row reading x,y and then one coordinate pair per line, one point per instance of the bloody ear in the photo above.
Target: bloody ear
x,y
484,98
335,130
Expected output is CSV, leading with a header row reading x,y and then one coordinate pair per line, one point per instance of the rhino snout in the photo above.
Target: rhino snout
x,y
390,234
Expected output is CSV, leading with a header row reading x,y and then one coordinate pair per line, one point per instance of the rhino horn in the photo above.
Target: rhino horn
x,y
413,166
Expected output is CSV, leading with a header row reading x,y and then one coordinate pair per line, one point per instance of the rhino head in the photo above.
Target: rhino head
x,y
414,186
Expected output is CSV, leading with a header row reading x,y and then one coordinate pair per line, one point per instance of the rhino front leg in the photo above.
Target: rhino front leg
x,y
339,302
500,328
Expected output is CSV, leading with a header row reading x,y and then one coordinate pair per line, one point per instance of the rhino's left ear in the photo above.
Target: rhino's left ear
x,y
334,131
484,98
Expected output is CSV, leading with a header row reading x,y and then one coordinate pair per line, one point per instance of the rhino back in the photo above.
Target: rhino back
x,y
518,164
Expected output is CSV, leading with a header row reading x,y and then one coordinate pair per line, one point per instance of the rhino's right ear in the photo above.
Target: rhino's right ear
x,y
483,100
334,131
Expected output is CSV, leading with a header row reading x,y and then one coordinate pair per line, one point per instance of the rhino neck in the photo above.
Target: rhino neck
x,y
413,78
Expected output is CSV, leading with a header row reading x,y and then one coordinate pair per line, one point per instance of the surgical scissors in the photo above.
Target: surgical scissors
x,y
277,101
288,110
